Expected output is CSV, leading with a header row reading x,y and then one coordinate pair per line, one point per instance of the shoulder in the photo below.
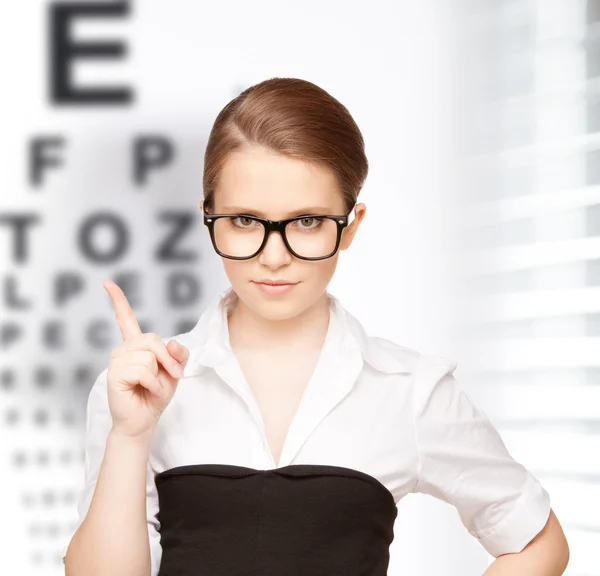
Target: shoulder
x,y
388,355
431,385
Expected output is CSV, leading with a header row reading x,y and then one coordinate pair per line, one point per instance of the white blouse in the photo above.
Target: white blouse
x,y
371,405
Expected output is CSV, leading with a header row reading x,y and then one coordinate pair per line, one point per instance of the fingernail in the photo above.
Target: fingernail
x,y
178,370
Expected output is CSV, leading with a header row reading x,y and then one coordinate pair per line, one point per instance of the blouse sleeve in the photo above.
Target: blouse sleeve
x,y
98,425
464,462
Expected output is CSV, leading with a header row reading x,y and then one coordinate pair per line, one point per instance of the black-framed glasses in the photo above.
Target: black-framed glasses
x,y
309,237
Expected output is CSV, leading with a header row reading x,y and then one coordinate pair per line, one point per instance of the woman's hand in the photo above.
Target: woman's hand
x,y
142,374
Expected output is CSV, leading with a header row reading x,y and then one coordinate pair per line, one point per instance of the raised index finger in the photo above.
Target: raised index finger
x,y
123,312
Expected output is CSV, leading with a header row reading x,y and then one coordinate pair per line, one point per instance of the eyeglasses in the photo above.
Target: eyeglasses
x,y
309,237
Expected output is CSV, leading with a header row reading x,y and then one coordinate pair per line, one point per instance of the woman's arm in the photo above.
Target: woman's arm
x,y
546,555
113,539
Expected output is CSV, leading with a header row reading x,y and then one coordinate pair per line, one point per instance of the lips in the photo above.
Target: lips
x,y
277,289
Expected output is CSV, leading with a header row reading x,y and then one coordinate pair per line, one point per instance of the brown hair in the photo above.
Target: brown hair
x,y
293,117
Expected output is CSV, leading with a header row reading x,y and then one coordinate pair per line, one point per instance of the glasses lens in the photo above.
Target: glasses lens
x,y
238,237
312,237
241,237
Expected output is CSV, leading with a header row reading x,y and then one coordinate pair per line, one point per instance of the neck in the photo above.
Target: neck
x,y
248,331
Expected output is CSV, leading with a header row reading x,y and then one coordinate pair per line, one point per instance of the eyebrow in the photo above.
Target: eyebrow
x,y
307,210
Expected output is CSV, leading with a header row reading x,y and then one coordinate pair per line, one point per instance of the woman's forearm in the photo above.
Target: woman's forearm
x,y
113,540
546,555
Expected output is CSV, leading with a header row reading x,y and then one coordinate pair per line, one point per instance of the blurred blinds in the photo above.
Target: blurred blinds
x,y
533,220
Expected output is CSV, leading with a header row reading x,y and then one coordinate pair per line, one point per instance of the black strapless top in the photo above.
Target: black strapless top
x,y
297,520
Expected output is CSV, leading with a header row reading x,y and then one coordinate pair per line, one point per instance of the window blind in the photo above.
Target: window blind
x,y
531,218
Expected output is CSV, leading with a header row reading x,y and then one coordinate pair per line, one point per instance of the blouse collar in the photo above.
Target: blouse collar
x,y
210,344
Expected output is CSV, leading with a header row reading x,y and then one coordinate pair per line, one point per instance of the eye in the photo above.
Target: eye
x,y
305,223
246,222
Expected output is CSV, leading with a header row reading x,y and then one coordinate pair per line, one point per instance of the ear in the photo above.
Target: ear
x,y
360,210
201,205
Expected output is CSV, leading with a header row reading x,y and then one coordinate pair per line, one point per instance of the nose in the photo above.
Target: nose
x,y
275,252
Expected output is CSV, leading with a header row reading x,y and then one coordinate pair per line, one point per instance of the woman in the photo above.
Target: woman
x,y
277,437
